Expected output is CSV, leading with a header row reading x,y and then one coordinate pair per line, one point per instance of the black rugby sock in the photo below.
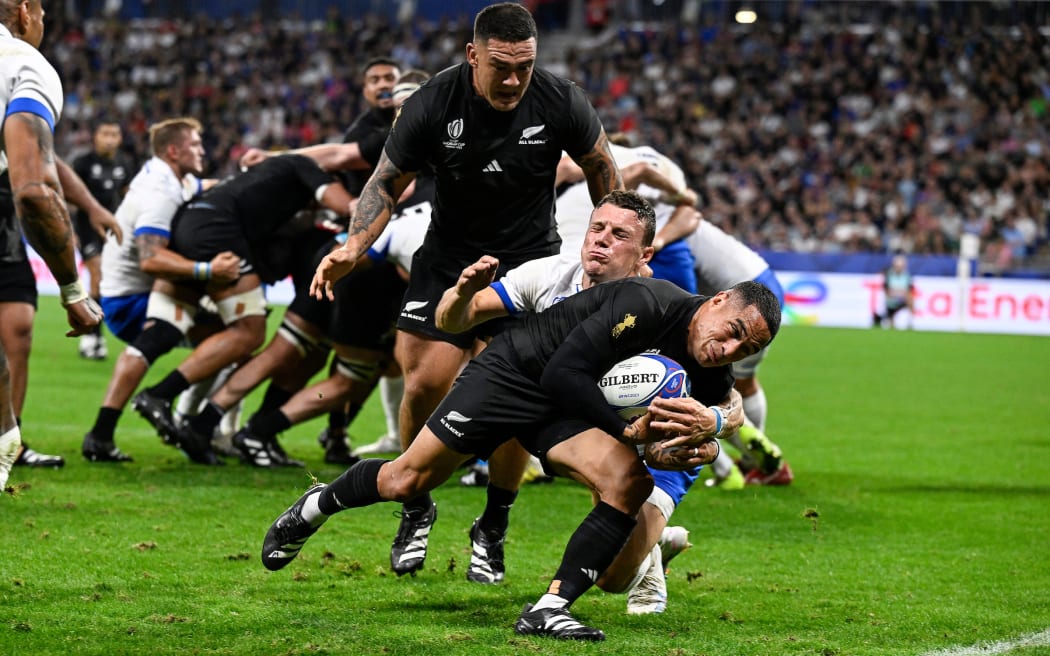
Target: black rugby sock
x,y
358,486
208,418
497,509
419,505
172,385
268,425
274,398
591,550
105,424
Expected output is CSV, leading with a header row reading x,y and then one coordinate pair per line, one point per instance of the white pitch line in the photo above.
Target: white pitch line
x,y
1041,639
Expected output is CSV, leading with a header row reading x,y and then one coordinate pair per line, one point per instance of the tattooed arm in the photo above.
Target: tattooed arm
x,y
38,193
691,423
45,219
373,211
600,169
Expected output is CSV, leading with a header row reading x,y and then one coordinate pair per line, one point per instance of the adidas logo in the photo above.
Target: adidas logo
x,y
493,167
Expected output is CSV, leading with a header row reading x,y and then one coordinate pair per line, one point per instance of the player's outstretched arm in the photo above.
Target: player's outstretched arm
x,y
470,301
374,208
330,157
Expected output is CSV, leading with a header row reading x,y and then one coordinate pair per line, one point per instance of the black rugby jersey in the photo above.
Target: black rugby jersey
x,y
494,170
569,346
105,178
369,131
267,195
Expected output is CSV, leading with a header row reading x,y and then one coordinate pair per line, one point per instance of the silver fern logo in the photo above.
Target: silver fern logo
x,y
528,133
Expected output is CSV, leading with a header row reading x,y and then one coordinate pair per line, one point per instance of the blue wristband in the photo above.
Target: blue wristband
x,y
718,419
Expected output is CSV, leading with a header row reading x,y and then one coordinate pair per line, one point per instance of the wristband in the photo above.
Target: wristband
x,y
202,270
719,420
72,293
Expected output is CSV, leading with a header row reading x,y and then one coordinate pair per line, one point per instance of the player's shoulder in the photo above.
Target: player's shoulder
x,y
18,54
455,78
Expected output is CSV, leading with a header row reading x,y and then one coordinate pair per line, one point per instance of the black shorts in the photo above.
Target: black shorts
x,y
366,308
493,401
432,273
88,241
17,283
318,313
200,232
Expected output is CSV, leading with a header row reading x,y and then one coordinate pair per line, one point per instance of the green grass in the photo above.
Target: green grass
x,y
919,520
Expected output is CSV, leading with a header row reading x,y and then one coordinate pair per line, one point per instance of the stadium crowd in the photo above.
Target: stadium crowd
x,y
815,135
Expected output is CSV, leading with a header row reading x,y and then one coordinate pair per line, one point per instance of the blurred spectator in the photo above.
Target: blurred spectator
x,y
920,121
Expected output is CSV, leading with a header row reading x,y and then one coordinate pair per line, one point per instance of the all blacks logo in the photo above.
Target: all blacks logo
x,y
455,131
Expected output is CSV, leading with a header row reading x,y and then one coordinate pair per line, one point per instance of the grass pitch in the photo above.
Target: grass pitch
x,y
919,521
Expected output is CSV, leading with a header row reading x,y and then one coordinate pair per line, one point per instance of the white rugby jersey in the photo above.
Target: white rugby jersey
x,y
722,260
574,207
539,284
153,197
28,83
403,236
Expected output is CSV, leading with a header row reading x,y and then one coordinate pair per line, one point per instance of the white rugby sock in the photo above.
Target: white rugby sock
x,y
391,389
9,444
722,465
755,408
550,601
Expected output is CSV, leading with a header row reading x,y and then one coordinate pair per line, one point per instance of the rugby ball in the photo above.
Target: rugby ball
x,y
633,383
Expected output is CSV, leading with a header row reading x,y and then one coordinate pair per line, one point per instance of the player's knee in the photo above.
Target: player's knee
x,y
359,369
155,341
424,387
302,341
247,304
400,484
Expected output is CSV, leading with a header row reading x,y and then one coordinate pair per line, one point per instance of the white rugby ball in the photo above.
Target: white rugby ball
x,y
633,383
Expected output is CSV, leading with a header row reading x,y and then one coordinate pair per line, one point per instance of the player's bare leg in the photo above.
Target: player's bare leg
x,y
429,366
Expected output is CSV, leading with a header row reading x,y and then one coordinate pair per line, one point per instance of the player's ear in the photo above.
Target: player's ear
x,y
472,54
647,254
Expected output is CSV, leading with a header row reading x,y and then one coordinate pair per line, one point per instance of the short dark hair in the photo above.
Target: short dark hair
x,y
99,121
630,200
506,21
379,61
754,293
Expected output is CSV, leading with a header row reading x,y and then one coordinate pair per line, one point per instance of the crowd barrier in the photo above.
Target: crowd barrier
x,y
848,300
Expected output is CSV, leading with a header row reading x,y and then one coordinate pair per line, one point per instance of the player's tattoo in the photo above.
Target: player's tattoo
x,y
679,458
600,167
38,126
733,409
376,197
148,245
45,219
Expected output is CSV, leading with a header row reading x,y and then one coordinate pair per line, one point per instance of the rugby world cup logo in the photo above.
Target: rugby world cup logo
x,y
455,131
